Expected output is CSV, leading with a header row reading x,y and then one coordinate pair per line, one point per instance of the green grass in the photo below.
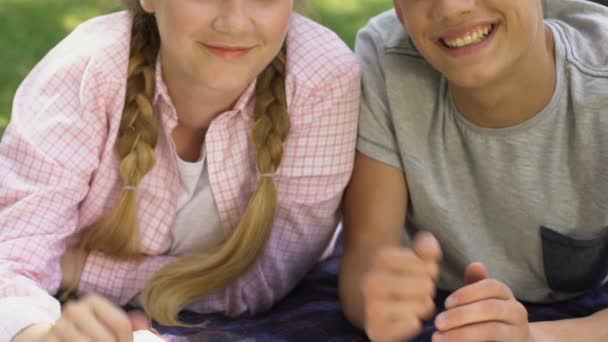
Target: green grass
x,y
346,17
29,28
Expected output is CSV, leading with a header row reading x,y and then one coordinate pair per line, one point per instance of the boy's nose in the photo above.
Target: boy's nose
x,y
452,9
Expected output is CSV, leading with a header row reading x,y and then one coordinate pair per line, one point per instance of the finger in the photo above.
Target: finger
x,y
486,331
475,272
402,261
51,337
507,311
390,310
64,330
397,330
85,321
481,290
147,335
386,322
114,318
390,286
139,320
426,247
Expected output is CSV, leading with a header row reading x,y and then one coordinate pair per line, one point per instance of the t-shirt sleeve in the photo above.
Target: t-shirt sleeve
x,y
376,137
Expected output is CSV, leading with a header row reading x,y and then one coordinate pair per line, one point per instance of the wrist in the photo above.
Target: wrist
x,y
538,332
33,332
562,330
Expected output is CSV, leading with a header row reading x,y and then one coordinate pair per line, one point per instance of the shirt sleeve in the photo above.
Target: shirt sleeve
x,y
47,156
377,137
119,280
318,162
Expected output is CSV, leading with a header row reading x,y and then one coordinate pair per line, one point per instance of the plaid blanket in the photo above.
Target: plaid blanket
x,y
311,312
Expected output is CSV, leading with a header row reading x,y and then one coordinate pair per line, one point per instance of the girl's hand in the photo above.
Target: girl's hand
x,y
484,310
92,319
398,291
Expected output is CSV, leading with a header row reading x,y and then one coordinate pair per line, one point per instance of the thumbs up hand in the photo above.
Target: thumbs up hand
x,y
399,288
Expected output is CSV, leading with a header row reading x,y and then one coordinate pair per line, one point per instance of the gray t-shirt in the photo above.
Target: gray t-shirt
x,y
529,201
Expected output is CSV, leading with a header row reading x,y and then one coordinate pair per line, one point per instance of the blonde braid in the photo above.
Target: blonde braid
x,y
117,234
193,277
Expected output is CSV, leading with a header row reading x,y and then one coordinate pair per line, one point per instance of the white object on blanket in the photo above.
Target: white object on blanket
x,y
146,336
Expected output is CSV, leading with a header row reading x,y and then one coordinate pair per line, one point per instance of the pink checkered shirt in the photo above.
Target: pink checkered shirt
x,y
59,173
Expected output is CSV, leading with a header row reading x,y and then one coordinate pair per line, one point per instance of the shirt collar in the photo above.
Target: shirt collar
x,y
244,104
161,92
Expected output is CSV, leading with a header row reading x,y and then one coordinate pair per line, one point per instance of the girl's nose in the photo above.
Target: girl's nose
x,y
233,16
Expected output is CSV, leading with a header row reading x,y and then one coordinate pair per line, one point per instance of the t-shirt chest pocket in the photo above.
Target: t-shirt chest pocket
x,y
574,264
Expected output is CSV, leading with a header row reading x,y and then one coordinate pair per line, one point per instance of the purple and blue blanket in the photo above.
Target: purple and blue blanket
x,y
311,312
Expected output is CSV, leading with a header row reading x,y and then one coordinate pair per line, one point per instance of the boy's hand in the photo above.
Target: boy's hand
x,y
484,310
398,290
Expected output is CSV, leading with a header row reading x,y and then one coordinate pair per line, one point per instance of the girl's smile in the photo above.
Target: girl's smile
x,y
229,53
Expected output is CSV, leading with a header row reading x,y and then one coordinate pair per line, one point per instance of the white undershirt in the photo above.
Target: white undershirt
x,y
197,225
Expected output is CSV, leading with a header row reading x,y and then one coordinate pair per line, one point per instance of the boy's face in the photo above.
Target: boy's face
x,y
473,42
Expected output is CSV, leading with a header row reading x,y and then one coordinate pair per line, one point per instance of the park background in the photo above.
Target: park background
x,y
29,28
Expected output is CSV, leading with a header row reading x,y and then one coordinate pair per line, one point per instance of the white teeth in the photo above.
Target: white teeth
x,y
471,38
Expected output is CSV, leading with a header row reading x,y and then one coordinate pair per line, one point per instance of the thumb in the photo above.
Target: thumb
x,y
139,320
426,247
475,272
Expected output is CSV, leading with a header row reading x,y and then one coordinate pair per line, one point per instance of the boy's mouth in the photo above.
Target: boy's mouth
x,y
473,37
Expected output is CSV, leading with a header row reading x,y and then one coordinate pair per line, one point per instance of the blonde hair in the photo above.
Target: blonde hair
x,y
191,277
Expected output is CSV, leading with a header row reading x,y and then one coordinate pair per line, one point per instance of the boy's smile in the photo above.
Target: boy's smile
x,y
475,43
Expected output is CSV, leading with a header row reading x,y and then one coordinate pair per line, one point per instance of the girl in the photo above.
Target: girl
x,y
185,154
484,125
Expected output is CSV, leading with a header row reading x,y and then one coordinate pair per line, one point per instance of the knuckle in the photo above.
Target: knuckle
x,y
411,327
374,332
429,287
434,270
501,330
428,307
61,327
390,331
493,283
521,312
371,284
493,309
379,284
72,309
94,298
383,257
389,256
498,286
372,312
411,259
120,320
90,299
465,335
